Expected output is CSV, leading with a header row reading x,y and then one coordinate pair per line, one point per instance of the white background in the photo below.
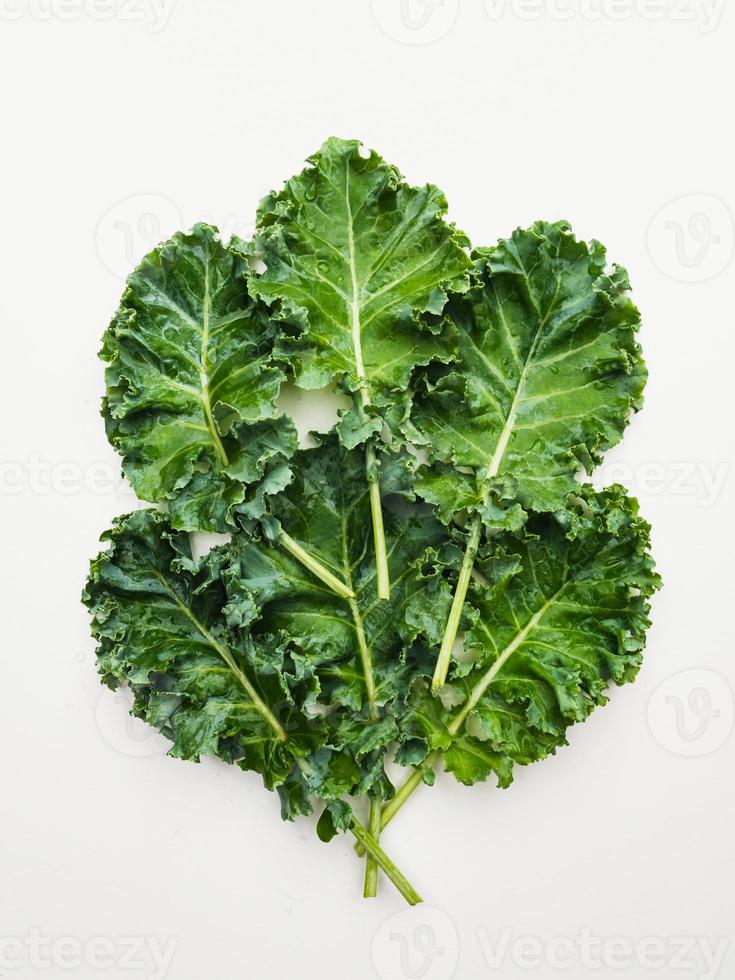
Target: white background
x,y
121,123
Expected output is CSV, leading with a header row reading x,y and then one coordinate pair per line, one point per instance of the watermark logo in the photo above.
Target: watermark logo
x,y
123,732
132,227
135,225
691,239
415,21
416,944
691,714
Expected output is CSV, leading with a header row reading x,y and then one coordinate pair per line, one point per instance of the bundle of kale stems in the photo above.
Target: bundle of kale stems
x,y
427,585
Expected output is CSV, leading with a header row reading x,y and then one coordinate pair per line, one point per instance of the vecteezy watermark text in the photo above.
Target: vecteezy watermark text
x,y
41,477
705,13
701,480
701,956
154,14
148,956
416,22
424,943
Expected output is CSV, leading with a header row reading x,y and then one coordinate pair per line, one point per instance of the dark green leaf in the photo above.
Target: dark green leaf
x,y
191,389
548,372
336,818
354,254
158,619
363,651
560,611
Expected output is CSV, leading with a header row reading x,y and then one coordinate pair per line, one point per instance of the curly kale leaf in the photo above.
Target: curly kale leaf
x,y
363,651
354,254
548,372
285,651
191,387
157,616
546,377
559,610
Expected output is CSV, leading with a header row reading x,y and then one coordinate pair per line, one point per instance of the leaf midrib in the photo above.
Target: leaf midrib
x,y
479,689
354,307
366,655
487,678
507,430
204,370
226,655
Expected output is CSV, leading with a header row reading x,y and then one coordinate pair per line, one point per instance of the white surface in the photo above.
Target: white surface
x,y
115,132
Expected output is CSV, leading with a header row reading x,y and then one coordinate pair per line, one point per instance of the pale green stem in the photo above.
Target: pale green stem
x,y
371,865
455,613
367,842
384,863
314,566
492,470
415,779
204,378
391,808
403,792
381,551
366,658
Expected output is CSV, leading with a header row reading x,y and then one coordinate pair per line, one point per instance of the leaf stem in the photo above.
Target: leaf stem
x,y
384,863
371,865
381,551
455,727
314,566
455,614
366,659
366,655
391,808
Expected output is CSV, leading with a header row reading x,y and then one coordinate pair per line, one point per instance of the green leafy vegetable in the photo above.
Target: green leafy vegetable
x,y
354,255
158,617
192,388
547,374
363,651
167,628
559,610
283,651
